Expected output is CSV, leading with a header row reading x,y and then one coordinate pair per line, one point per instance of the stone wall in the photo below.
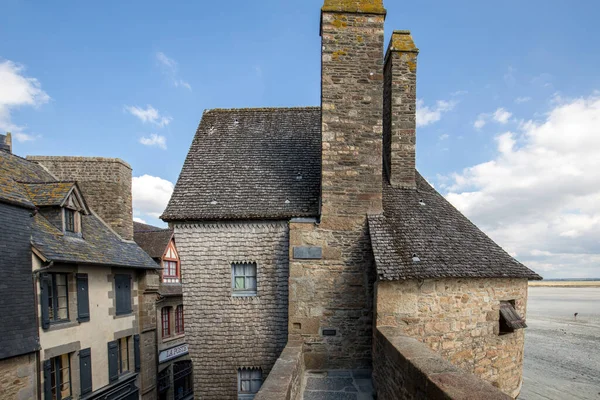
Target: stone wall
x,y
285,380
400,108
334,291
225,333
18,377
148,283
105,183
404,368
459,318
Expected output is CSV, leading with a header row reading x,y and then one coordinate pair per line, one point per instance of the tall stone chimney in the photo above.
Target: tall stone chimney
x,y
399,110
6,142
105,183
351,100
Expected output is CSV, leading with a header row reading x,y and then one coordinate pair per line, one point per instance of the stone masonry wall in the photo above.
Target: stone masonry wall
x,y
105,183
335,290
225,333
459,318
400,102
18,377
148,282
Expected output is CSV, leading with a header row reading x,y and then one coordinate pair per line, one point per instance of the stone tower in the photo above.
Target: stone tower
x,y
331,264
105,183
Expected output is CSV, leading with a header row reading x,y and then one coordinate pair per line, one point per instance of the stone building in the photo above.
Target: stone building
x,y
175,371
311,227
82,291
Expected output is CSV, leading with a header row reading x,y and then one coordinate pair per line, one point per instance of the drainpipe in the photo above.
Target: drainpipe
x,y
38,355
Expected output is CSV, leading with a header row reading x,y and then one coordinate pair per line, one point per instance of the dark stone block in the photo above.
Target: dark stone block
x,y
308,252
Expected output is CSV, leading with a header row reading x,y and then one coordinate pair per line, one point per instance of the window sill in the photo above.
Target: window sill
x,y
123,315
54,326
243,294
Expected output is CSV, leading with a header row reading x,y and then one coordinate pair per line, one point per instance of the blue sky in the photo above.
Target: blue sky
x,y
503,88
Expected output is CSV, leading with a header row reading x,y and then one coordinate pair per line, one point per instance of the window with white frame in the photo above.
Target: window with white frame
x,y
249,382
243,279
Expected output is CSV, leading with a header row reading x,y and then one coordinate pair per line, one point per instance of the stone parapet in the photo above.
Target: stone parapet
x,y
284,381
404,368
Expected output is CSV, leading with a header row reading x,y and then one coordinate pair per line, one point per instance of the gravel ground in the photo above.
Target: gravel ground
x,y
562,352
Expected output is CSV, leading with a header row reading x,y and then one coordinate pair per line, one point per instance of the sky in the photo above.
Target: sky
x,y
508,112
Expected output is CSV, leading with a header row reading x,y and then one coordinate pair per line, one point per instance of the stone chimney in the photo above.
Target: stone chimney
x,y
6,142
351,100
105,183
399,110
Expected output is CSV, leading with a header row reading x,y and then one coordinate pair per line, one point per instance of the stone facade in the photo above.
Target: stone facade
x,y
105,183
399,110
223,332
18,377
459,318
335,292
147,292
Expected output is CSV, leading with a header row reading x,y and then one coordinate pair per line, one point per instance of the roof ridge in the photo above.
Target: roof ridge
x,y
250,109
42,182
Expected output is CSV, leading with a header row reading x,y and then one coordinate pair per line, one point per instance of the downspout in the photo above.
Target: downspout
x,y
38,356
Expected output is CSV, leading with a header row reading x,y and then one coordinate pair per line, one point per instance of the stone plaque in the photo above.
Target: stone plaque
x,y
308,252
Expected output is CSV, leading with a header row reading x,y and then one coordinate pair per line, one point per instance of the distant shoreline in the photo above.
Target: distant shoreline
x,y
564,283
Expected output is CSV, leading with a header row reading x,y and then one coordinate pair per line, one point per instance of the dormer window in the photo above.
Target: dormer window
x,y
71,220
171,271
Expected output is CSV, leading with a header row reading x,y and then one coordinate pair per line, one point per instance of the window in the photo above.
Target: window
x,y
243,279
166,321
179,319
70,220
58,298
249,382
170,269
123,355
182,379
164,383
60,377
510,320
123,294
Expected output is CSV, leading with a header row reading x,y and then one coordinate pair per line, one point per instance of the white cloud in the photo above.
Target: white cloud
x,y
522,99
501,116
539,196
444,136
171,69
140,220
17,91
150,195
154,140
149,114
427,115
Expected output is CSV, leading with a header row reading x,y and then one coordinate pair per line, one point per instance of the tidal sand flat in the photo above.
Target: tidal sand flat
x,y
562,351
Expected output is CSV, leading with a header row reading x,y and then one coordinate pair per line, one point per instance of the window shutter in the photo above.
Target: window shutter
x,y
47,383
136,352
123,293
44,291
113,360
127,293
85,370
83,298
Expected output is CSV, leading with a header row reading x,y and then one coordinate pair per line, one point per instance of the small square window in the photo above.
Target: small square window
x,y
510,320
243,276
249,382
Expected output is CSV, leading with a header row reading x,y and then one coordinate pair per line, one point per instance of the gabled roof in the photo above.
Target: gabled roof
x,y
251,163
151,239
98,245
421,235
43,194
28,184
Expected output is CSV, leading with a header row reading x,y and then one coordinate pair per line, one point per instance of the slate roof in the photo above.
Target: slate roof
x,y
13,170
28,184
251,163
170,289
151,239
48,193
422,223
98,245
